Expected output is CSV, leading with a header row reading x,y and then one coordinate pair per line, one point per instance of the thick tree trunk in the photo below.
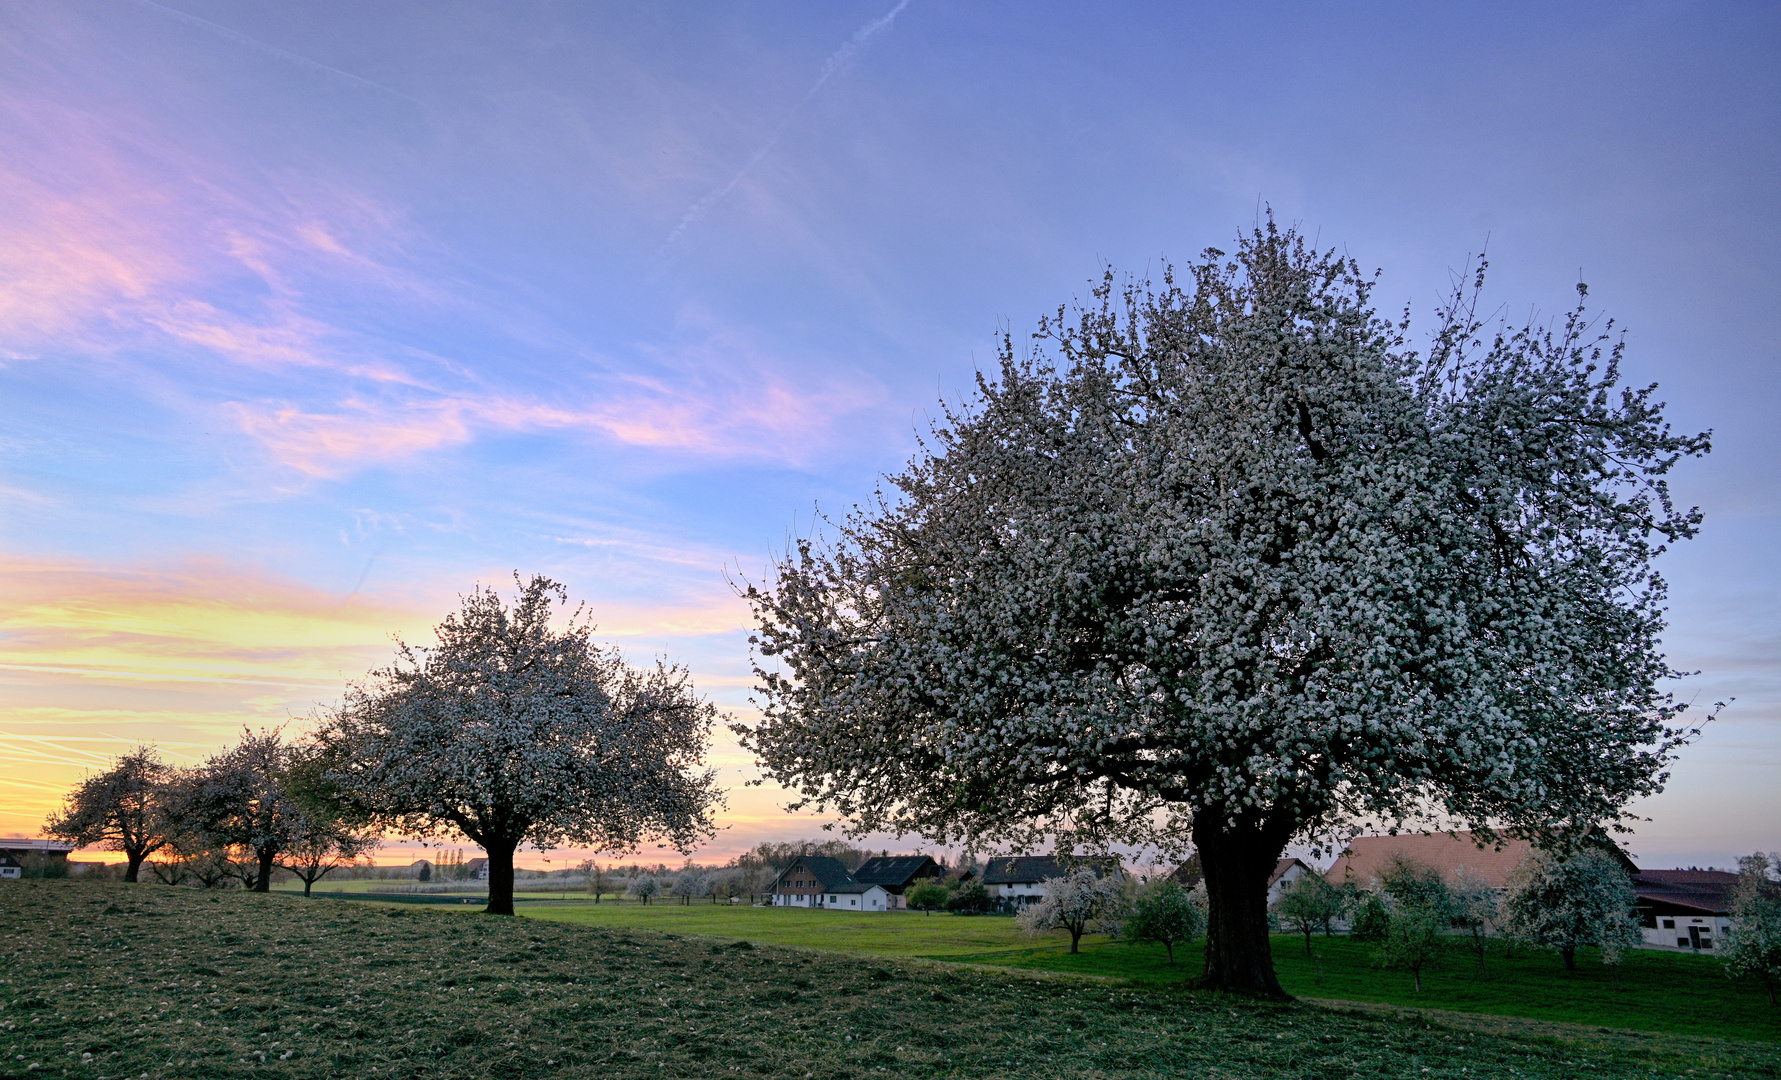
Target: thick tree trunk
x,y
133,871
1238,856
1569,952
500,879
263,883
1075,939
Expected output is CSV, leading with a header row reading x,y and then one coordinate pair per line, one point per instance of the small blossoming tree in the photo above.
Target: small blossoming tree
x,y
1077,902
1584,898
1229,557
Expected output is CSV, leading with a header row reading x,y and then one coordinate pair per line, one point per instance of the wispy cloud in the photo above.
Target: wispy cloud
x,y
836,61
259,46
720,396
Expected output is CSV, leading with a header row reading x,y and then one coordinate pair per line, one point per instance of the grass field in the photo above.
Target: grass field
x,y
159,982
1532,984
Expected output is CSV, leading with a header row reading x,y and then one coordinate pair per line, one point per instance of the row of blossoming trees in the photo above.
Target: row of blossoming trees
x,y
1226,560
509,730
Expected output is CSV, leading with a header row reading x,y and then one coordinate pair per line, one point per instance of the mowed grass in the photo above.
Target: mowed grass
x,y
111,980
1653,991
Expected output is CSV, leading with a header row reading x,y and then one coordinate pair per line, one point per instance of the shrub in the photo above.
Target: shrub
x,y
928,896
1371,918
971,898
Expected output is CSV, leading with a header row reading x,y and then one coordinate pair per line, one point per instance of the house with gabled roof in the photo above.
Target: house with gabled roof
x,y
821,881
1286,871
898,873
1018,880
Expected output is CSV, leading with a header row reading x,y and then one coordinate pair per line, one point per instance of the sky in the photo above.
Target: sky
x,y
314,316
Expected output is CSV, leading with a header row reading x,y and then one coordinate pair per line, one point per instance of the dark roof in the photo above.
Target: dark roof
x,y
1706,891
1022,869
828,871
896,871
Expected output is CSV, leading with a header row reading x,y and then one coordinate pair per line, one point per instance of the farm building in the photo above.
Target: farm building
x,y
1286,871
17,852
1684,909
820,881
1018,880
897,873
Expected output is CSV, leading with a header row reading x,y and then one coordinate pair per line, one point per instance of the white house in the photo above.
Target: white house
x,y
819,881
1286,871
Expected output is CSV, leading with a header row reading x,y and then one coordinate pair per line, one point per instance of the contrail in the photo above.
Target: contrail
x,y
255,43
836,61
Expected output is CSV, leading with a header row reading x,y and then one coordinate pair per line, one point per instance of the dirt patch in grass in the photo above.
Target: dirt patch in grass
x,y
108,980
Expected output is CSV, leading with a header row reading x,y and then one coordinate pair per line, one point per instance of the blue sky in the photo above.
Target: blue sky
x,y
311,316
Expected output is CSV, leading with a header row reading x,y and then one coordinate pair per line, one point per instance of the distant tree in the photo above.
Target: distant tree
x,y
510,731
596,879
1413,884
120,809
929,896
1077,902
1229,549
319,846
643,887
689,883
1753,945
425,874
1165,913
1309,904
1583,898
240,798
970,898
1472,907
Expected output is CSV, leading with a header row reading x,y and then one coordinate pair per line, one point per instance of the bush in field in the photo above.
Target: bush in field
x,y
1165,913
644,887
1472,907
1753,946
1371,918
1309,904
928,896
1584,898
971,898
1076,902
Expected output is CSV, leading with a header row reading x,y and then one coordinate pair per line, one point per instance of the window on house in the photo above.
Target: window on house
x,y
1669,924
1682,943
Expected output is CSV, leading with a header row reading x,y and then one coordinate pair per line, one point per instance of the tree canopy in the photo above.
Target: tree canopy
x,y
1228,555
510,731
122,808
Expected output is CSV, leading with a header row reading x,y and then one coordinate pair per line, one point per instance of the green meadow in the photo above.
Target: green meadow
x,y
1651,991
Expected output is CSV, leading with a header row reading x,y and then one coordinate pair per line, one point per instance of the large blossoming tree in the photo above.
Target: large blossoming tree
x,y
1227,556
512,731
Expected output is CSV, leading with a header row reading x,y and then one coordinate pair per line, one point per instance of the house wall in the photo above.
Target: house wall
x,y
1018,892
1278,889
1673,932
